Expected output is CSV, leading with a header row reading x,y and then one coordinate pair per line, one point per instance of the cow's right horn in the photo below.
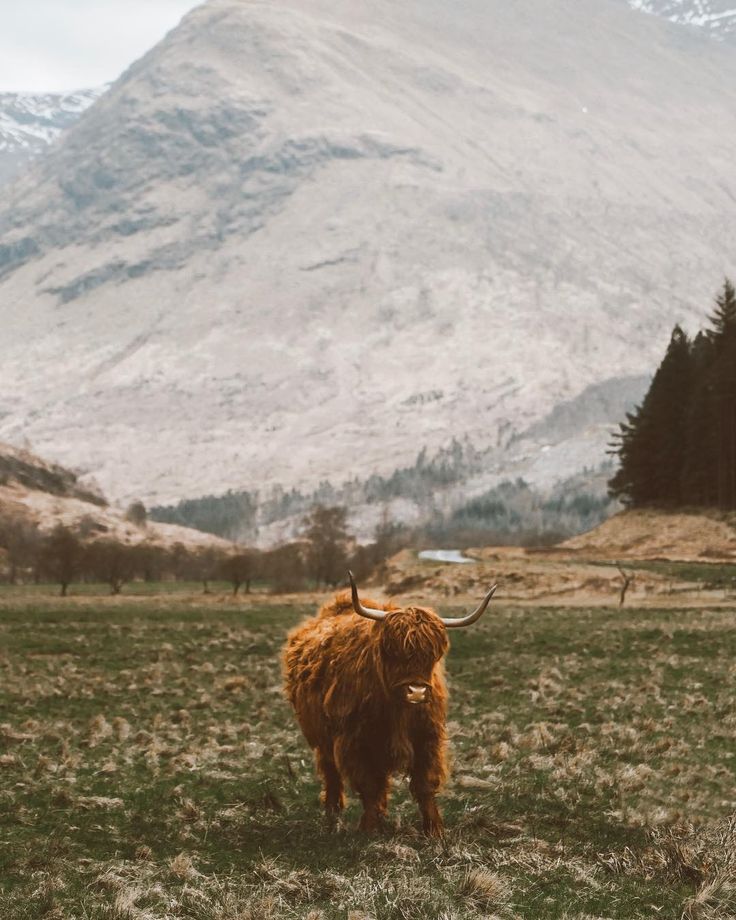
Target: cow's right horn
x,y
368,612
453,622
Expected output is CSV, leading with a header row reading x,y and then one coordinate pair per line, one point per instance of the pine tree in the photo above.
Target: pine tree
x,y
723,335
632,481
723,318
651,444
698,482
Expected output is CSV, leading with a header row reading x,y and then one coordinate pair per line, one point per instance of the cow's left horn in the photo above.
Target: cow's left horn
x,y
452,622
369,612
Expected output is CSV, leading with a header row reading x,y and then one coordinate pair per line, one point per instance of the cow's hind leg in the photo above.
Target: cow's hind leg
x,y
333,797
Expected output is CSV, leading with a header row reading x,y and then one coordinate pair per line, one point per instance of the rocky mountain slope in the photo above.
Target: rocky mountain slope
x,y
30,122
300,241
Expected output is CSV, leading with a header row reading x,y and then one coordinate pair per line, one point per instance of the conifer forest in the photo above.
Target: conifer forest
x,y
678,448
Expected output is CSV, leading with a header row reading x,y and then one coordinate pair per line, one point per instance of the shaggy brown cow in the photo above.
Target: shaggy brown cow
x,y
368,689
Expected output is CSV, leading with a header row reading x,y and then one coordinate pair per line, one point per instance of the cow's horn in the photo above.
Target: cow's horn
x,y
452,622
369,612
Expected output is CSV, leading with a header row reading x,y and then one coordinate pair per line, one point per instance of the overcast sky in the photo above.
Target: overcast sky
x,y
52,45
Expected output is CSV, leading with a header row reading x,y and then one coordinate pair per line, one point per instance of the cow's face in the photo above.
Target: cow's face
x,y
411,643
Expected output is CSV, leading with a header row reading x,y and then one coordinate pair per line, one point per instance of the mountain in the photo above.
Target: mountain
x,y
302,241
30,122
717,17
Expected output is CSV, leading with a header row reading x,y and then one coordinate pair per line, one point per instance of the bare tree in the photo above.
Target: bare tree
x,y
368,559
181,562
136,513
240,569
22,542
325,530
627,578
207,563
153,561
62,556
112,563
284,567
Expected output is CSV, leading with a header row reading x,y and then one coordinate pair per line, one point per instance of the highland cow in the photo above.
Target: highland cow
x,y
368,689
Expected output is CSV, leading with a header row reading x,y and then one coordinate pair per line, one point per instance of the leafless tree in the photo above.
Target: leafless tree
x,y
137,514
22,542
181,562
113,563
240,569
284,567
207,563
325,530
627,578
62,557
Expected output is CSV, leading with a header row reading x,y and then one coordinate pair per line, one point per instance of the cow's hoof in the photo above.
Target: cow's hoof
x,y
434,829
371,824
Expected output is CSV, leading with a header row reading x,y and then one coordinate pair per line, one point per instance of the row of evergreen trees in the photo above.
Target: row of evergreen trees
x,y
679,447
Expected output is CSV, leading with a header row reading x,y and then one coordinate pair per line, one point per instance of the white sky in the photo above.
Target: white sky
x,y
53,45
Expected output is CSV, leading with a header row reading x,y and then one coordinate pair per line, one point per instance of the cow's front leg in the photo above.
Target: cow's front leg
x,y
428,772
373,792
367,769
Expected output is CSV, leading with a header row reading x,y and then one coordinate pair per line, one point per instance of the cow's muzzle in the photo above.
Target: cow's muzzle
x,y
417,693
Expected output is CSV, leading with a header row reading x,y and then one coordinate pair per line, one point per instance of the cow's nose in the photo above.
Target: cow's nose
x,y
416,693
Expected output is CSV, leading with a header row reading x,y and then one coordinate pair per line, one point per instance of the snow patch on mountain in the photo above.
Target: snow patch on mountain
x,y
718,17
30,122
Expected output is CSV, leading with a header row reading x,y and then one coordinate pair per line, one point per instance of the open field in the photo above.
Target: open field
x,y
563,578
150,769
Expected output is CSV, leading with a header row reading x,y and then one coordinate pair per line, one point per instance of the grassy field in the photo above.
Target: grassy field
x,y
151,769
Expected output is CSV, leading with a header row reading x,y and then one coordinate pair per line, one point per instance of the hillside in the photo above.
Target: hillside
x,y
44,494
300,241
641,534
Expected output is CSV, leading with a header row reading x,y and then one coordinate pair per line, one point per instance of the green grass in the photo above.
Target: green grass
x,y
150,768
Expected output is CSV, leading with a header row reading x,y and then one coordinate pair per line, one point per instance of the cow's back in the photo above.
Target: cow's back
x,y
318,653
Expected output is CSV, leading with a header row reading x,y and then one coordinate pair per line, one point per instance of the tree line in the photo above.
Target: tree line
x,y
237,515
678,448
514,513
319,559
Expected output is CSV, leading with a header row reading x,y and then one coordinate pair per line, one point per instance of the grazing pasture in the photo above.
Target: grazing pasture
x,y
150,768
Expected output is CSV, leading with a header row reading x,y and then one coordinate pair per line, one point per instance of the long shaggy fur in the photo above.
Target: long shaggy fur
x,y
346,677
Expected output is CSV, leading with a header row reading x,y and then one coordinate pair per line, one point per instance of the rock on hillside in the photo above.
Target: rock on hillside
x,y
660,535
303,240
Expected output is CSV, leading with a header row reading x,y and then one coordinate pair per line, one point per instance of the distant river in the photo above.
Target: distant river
x,y
444,555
